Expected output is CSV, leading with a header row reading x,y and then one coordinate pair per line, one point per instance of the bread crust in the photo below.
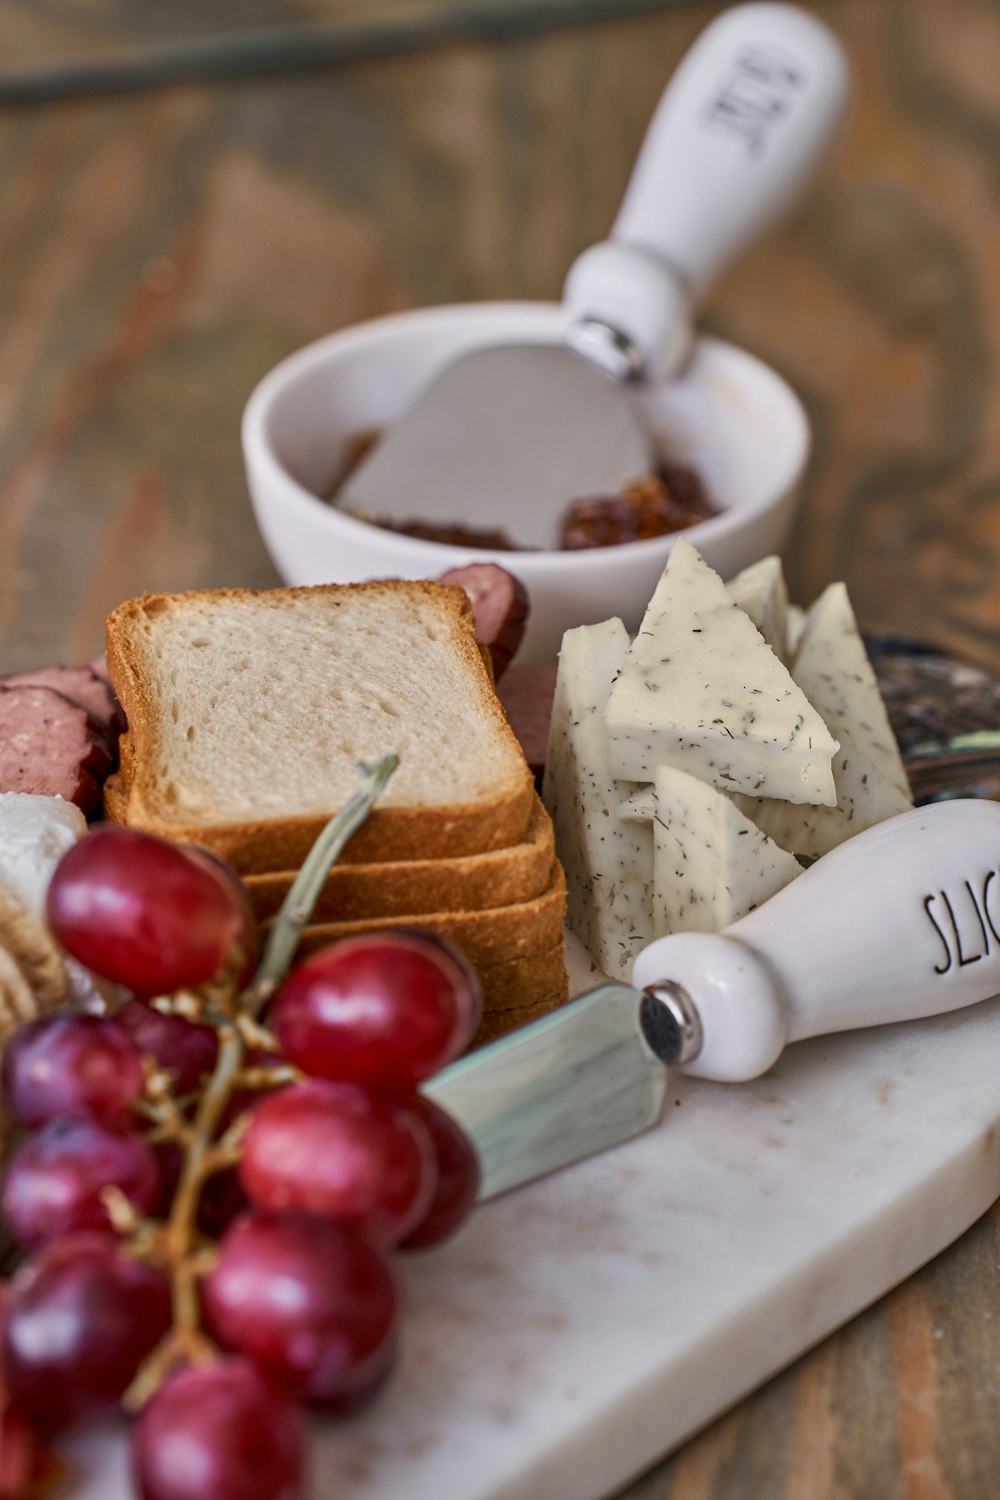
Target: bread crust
x,y
115,799
254,845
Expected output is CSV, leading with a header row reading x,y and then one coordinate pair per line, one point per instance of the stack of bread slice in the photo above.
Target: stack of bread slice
x,y
248,714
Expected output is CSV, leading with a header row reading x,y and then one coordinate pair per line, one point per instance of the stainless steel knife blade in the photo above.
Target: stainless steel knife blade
x,y
505,437
584,1078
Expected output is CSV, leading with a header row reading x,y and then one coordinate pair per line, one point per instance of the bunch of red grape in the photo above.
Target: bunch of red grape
x,y
337,1169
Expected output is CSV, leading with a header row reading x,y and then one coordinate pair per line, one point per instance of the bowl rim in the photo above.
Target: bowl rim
x,y
268,470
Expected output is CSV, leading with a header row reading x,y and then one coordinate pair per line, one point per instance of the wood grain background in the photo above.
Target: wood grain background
x,y
160,251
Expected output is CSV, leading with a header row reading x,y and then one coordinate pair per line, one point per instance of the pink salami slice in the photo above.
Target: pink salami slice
x,y
526,694
499,607
83,684
51,746
103,731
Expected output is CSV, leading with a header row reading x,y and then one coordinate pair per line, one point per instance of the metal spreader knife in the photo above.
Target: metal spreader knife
x,y
511,435
901,922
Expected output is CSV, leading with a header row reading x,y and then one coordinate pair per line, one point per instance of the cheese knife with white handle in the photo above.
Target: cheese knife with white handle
x,y
899,923
514,434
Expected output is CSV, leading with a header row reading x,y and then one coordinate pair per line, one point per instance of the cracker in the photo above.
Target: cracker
x,y
35,951
17,999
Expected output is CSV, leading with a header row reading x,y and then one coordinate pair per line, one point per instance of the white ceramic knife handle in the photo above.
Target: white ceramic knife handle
x,y
902,921
739,130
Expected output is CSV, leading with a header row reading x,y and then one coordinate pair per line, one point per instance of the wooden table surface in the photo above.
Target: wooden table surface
x,y
161,249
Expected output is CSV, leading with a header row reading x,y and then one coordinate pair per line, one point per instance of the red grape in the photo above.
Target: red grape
x,y
54,1179
25,1464
310,1302
219,1432
186,1051
26,1468
222,1200
82,1318
170,1160
389,1008
457,1177
147,914
335,1150
72,1065
354,1400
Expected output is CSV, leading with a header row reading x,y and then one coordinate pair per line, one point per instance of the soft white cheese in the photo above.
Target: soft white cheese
x,y
35,833
701,690
760,593
608,861
711,864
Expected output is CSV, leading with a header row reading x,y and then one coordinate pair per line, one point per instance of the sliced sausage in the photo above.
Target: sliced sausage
x,y
84,685
51,746
499,607
103,731
526,694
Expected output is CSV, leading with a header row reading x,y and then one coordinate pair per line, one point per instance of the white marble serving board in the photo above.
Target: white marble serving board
x,y
577,1330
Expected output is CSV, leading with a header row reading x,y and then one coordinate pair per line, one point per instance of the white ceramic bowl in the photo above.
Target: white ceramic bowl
x,y
730,417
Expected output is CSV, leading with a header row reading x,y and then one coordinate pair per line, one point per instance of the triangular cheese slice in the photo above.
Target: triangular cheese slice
x,y
608,860
795,624
833,670
760,593
711,865
864,798
702,690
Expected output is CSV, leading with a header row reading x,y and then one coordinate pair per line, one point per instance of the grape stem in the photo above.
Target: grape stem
x,y
297,908
180,1248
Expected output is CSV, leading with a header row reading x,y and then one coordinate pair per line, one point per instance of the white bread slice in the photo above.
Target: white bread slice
x,y
517,989
470,882
487,937
473,882
521,990
498,1023
248,713
524,981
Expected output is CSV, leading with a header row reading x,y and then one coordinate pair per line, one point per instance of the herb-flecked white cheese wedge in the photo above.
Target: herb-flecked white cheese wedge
x,y
641,807
702,690
795,624
833,670
608,860
864,798
711,864
760,593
